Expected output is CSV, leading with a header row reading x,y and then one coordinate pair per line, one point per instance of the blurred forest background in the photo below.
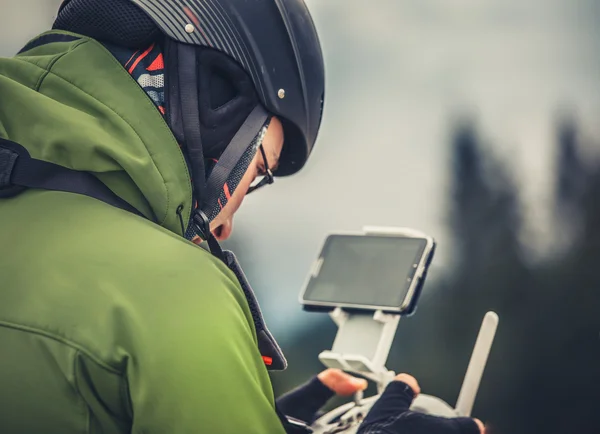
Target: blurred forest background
x,y
448,116
543,375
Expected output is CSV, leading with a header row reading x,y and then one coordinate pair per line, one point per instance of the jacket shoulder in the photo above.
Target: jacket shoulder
x,y
46,48
99,274
38,56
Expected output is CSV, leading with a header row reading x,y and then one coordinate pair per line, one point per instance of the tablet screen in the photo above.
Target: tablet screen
x,y
365,271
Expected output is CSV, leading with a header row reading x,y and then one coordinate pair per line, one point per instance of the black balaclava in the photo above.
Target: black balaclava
x,y
147,67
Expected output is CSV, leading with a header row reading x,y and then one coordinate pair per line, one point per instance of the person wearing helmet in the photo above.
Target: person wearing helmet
x,y
129,134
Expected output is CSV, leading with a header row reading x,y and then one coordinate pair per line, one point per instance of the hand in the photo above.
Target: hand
x,y
341,383
420,423
305,401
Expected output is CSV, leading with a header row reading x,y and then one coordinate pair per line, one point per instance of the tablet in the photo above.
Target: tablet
x,y
369,272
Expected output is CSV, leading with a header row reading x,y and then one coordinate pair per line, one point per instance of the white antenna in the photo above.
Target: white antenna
x,y
481,351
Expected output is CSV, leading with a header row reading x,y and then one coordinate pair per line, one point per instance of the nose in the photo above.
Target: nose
x,y
223,232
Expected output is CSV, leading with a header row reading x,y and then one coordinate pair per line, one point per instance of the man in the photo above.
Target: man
x,y
129,134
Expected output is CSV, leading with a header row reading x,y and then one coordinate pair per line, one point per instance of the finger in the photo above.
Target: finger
x,y
341,383
410,381
480,425
344,384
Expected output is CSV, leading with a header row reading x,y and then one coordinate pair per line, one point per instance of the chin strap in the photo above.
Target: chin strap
x,y
184,119
226,173
216,187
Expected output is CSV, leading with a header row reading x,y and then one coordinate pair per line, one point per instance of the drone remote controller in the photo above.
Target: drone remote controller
x,y
367,320
347,418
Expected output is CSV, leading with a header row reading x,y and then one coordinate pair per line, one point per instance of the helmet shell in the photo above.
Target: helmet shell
x,y
276,43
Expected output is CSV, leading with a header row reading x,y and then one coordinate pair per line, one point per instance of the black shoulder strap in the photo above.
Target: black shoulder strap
x,y
18,171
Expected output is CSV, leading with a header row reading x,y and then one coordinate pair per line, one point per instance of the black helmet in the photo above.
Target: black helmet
x,y
275,41
270,47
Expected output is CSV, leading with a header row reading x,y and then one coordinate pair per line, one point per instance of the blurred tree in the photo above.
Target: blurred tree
x,y
490,273
570,172
544,370
570,181
567,324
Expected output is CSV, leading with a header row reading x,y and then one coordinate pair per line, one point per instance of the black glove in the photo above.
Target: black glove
x,y
391,415
305,401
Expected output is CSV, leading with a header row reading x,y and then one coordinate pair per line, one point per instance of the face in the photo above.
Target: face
x,y
222,226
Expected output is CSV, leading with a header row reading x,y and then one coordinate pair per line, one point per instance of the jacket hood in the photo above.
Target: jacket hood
x,y
70,102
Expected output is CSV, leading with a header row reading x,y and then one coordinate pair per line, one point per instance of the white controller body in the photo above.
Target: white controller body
x,y
347,418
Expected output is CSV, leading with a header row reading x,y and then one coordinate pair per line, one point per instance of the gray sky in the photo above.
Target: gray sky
x,y
21,20
397,72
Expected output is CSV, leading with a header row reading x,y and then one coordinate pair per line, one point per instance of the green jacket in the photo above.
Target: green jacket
x,y
110,323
